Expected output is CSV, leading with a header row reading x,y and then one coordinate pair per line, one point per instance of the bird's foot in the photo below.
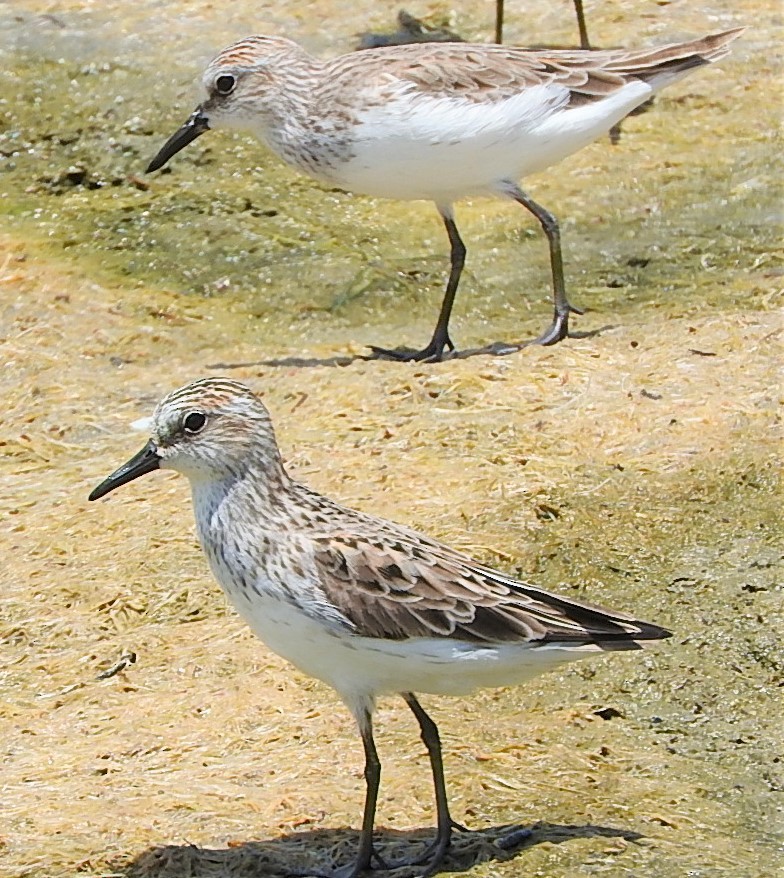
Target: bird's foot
x,y
433,855
353,870
437,349
433,353
365,861
558,330
431,858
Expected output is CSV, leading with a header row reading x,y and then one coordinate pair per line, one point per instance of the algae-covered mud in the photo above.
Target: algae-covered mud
x,y
637,467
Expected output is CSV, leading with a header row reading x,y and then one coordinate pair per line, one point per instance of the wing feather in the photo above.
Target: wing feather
x,y
489,72
414,587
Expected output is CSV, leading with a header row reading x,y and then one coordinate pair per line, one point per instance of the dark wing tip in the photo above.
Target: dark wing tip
x,y
649,631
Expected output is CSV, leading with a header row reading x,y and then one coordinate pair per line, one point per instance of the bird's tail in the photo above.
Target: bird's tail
x,y
662,65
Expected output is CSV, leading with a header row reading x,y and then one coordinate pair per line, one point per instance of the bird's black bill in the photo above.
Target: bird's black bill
x,y
195,126
140,464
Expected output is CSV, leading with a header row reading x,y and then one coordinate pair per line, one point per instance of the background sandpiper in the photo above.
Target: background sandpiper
x,y
438,122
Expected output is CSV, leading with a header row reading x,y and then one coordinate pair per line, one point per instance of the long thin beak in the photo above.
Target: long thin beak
x,y
140,464
196,125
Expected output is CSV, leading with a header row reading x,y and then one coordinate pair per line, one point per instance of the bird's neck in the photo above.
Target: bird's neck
x,y
255,489
298,126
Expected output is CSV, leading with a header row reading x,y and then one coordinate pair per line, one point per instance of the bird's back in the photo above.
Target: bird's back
x,y
443,121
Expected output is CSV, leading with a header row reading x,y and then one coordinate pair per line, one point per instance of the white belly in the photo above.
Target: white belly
x,y
360,667
442,149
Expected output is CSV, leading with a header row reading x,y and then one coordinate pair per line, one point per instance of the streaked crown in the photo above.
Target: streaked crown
x,y
211,427
244,76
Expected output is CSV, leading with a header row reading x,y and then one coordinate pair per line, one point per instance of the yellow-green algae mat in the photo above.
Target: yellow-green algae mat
x,y
637,468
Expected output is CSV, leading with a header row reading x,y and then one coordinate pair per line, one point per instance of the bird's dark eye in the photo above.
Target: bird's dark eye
x,y
194,422
224,84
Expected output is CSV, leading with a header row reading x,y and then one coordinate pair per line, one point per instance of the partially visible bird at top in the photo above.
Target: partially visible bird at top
x,y
436,121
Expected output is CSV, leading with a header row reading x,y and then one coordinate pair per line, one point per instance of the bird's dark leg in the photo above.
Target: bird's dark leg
x,y
366,851
434,854
372,781
499,21
457,257
434,351
585,43
559,328
432,741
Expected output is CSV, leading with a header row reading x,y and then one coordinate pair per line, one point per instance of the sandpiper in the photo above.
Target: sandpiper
x,y
435,121
368,606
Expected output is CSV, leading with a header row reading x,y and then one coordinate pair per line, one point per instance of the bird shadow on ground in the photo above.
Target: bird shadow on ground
x,y
496,349
324,850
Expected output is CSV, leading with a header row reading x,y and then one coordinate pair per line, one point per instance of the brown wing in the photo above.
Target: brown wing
x,y
486,72
400,588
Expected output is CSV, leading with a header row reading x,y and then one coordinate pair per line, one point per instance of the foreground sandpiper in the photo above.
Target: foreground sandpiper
x,y
435,121
368,606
